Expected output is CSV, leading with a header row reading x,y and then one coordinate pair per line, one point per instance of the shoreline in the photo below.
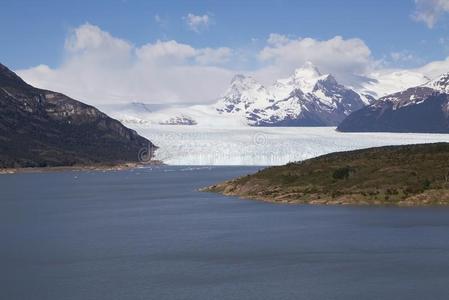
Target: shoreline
x,y
79,168
344,200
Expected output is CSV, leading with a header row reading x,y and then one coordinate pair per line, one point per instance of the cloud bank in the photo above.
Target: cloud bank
x,y
341,57
100,68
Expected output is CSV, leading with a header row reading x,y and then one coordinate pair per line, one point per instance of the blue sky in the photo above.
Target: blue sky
x,y
188,51
33,32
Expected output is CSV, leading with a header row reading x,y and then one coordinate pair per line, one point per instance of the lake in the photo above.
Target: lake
x,y
148,234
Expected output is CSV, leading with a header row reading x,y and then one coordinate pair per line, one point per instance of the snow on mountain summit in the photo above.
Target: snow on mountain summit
x,y
440,84
243,92
306,77
306,98
303,78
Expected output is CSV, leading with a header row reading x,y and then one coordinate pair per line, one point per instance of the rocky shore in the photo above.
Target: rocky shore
x,y
99,167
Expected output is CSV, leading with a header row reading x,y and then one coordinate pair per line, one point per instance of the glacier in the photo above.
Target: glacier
x,y
263,146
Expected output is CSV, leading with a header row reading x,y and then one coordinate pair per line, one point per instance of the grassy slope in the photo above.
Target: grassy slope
x,y
405,175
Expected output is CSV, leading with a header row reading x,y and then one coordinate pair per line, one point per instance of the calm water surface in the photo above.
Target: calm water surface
x,y
147,234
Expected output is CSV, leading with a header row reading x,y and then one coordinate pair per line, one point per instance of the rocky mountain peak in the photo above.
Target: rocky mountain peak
x,y
241,83
241,79
440,84
238,78
329,79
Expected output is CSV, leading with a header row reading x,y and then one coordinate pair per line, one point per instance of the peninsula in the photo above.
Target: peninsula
x,y
394,175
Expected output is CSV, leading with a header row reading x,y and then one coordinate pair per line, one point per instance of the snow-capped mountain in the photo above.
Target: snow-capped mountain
x,y
243,93
423,108
441,84
307,98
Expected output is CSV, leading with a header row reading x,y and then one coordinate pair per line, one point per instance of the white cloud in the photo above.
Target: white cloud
x,y
163,51
434,68
173,52
101,68
429,11
92,37
403,57
339,56
197,23
213,55
276,39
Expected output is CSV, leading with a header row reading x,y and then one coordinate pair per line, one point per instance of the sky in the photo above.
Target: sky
x,y
188,51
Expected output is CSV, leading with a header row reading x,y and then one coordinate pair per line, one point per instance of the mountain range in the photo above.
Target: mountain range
x,y
310,98
306,98
40,128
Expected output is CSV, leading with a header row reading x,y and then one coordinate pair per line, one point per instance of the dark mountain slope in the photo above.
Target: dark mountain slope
x,y
45,128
